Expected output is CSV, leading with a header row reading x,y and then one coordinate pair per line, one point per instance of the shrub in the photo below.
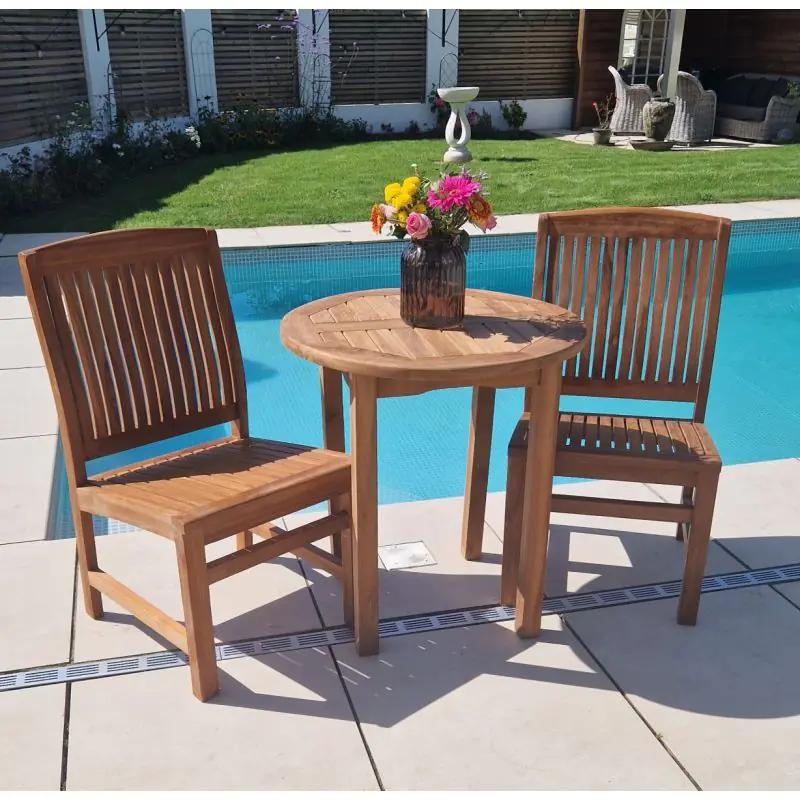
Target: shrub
x,y
513,114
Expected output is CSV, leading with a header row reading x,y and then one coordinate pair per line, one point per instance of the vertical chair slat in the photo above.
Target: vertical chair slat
x,y
660,274
139,377
576,295
194,353
604,302
196,310
140,316
84,349
592,275
629,319
220,343
114,349
643,310
617,293
82,379
677,256
701,310
181,348
164,337
685,316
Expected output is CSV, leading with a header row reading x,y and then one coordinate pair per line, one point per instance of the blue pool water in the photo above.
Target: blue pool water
x,y
754,405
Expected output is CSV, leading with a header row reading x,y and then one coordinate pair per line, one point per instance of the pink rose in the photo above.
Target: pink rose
x,y
438,102
418,225
388,211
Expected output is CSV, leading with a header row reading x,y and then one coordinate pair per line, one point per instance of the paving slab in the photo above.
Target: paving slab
x,y
13,302
32,734
266,600
723,695
587,554
449,583
19,345
27,467
28,408
279,722
478,708
37,580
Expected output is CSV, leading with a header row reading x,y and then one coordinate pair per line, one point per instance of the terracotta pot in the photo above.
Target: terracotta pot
x,y
657,116
602,135
433,282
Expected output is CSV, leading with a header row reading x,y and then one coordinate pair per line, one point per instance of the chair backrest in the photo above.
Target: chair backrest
x,y
619,82
138,338
648,284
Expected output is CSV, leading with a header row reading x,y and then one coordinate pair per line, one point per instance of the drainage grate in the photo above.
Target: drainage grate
x,y
388,628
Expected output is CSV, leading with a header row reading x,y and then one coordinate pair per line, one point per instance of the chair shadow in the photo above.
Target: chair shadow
x,y
386,691
510,159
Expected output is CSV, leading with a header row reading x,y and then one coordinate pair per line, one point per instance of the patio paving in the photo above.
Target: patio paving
x,y
619,698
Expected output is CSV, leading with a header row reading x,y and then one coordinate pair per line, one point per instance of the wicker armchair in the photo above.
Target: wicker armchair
x,y
695,109
627,116
781,113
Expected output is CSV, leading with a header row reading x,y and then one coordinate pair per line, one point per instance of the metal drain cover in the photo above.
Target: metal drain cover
x,y
405,556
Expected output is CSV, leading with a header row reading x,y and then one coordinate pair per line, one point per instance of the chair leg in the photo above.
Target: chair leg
x,y
244,540
697,548
687,498
512,530
197,614
480,445
87,561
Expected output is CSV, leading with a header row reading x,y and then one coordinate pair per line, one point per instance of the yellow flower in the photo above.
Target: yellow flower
x,y
391,191
419,208
401,217
411,184
402,200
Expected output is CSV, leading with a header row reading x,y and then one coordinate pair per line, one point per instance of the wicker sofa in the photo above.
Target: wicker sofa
x,y
755,107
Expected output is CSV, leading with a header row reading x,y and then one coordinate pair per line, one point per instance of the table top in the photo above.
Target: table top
x,y
502,336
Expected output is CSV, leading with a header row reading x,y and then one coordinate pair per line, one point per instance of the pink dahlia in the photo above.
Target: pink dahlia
x,y
453,190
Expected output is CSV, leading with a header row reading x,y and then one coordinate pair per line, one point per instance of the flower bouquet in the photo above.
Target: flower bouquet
x,y
432,213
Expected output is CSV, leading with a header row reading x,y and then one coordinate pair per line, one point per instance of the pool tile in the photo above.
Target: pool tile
x,y
37,580
269,599
449,583
32,733
723,695
27,467
28,409
280,722
478,708
587,554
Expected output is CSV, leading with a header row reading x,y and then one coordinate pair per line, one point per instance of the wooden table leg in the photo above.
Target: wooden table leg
x,y
480,445
333,437
364,447
539,466
332,432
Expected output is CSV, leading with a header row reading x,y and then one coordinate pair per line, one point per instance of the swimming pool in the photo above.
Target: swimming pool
x,y
754,405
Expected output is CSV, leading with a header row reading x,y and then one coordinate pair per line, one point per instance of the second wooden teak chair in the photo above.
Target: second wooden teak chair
x,y
140,345
648,284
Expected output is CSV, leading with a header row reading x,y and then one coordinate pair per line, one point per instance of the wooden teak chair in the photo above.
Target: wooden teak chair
x,y
140,345
648,284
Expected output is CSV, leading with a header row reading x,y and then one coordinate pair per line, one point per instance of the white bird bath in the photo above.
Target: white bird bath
x,y
458,97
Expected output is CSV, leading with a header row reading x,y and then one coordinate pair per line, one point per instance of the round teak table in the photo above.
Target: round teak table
x,y
505,341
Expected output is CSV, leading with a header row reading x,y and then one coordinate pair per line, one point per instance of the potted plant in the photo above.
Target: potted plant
x,y
602,133
432,212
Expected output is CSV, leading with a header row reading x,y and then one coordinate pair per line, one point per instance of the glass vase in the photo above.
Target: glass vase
x,y
433,282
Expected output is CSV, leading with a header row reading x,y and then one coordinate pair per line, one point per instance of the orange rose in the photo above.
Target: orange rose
x,y
479,211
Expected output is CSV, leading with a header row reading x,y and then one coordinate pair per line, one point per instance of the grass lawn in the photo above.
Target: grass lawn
x,y
340,183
